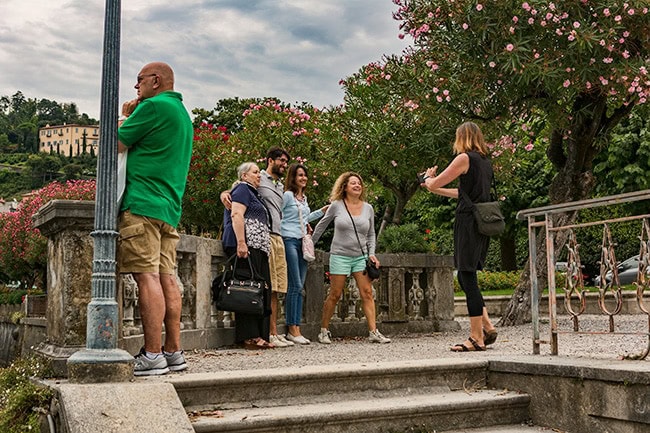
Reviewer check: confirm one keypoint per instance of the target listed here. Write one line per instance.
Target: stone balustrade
(414, 293)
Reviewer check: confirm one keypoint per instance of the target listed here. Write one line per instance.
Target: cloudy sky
(296, 50)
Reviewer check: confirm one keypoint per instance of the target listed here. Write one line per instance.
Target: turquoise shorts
(343, 265)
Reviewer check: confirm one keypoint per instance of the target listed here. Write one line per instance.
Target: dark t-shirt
(256, 221)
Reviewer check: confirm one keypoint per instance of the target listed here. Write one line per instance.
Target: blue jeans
(296, 274)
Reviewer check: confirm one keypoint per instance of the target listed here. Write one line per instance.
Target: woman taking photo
(246, 233)
(474, 169)
(295, 224)
(354, 224)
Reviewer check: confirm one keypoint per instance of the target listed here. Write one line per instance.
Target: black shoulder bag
(488, 215)
(371, 270)
(230, 293)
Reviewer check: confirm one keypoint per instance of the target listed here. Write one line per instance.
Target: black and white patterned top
(256, 220)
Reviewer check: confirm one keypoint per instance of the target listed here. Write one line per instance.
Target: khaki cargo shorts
(278, 265)
(146, 245)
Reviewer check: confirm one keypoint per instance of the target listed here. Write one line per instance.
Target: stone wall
(414, 293)
(9, 334)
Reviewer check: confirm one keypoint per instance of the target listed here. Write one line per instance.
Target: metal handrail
(547, 224)
(584, 204)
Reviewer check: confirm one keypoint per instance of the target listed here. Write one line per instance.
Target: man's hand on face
(129, 106)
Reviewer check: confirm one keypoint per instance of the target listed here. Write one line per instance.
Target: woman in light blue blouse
(295, 223)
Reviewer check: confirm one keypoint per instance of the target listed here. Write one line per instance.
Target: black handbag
(371, 269)
(488, 216)
(239, 295)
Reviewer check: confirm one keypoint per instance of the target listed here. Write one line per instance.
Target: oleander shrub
(407, 238)
(23, 252)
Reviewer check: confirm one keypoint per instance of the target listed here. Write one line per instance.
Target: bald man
(157, 131)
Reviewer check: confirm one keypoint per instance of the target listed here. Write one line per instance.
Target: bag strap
(493, 193)
(363, 253)
(302, 226)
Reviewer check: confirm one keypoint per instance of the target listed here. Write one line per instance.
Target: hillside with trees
(22, 166)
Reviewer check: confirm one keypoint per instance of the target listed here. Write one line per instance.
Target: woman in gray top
(350, 212)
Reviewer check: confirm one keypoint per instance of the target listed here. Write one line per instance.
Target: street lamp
(102, 361)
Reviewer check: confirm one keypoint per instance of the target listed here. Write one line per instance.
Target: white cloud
(296, 50)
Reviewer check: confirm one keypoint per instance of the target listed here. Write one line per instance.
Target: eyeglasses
(142, 77)
(282, 160)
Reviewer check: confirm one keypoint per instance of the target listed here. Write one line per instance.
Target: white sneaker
(324, 337)
(284, 340)
(377, 337)
(298, 339)
(275, 340)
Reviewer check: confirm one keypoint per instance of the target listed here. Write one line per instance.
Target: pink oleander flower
(566, 83)
(510, 47)
(479, 7)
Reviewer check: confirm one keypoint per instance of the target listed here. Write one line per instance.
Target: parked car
(587, 274)
(627, 272)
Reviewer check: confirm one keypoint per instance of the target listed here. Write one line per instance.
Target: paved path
(512, 341)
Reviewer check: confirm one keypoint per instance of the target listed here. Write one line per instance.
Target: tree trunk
(508, 253)
(572, 152)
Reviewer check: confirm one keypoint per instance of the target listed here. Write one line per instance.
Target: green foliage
(387, 135)
(303, 131)
(20, 118)
(623, 166)
(495, 281)
(227, 113)
(21, 401)
(407, 238)
(498, 280)
(625, 236)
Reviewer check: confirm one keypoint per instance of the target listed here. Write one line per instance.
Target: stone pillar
(67, 225)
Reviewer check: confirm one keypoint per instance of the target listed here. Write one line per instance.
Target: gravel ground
(516, 340)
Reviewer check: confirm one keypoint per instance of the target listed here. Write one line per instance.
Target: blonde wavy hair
(469, 137)
(338, 190)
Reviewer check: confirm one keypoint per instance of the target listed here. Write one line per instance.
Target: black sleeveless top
(470, 247)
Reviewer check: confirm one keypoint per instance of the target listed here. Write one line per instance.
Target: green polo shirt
(159, 136)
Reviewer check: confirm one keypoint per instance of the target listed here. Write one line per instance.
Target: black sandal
(490, 337)
(462, 348)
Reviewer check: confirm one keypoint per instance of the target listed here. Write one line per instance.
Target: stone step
(436, 412)
(285, 386)
(512, 428)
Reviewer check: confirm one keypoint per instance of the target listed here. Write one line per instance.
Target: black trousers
(469, 283)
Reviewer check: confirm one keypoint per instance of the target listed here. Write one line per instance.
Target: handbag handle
(355, 231)
(254, 275)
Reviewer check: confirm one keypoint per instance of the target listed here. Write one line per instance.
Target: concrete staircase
(422, 396)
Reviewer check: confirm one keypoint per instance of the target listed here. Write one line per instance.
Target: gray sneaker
(145, 366)
(325, 337)
(377, 337)
(175, 361)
